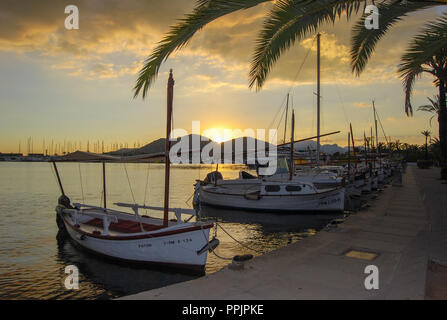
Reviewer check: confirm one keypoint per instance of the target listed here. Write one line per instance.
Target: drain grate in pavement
(363, 255)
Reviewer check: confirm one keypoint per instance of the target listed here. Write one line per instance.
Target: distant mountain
(312, 145)
(247, 144)
(159, 146)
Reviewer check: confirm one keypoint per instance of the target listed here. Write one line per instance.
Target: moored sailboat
(134, 237)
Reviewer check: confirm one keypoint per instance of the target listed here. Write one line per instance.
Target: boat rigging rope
(128, 181)
(292, 85)
(342, 104)
(190, 197)
(380, 122)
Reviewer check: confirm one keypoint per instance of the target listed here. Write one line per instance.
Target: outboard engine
(63, 202)
(212, 177)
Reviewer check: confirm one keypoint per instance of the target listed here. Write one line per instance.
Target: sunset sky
(76, 85)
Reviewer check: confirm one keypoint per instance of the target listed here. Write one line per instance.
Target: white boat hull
(353, 190)
(332, 200)
(367, 187)
(178, 249)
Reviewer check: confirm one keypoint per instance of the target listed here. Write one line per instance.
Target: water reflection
(258, 232)
(33, 260)
(270, 222)
(110, 278)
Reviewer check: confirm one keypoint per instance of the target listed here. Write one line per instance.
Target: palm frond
(290, 21)
(433, 107)
(427, 46)
(364, 41)
(179, 35)
(409, 78)
(424, 54)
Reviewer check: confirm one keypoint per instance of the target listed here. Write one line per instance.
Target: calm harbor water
(33, 258)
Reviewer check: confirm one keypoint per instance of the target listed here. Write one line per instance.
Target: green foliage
(287, 22)
(179, 35)
(291, 21)
(364, 41)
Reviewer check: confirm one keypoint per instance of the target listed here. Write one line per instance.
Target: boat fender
(210, 246)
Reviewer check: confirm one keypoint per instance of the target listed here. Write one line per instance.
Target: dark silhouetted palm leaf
(364, 41)
(287, 22)
(291, 21)
(179, 35)
(427, 54)
(432, 108)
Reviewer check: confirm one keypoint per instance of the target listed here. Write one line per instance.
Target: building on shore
(11, 156)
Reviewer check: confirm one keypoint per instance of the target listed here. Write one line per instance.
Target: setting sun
(219, 134)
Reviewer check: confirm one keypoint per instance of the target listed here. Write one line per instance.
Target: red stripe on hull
(136, 237)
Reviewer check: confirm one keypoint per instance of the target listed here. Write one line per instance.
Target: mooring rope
(240, 243)
(212, 249)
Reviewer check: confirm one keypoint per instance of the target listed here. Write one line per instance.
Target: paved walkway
(396, 227)
(434, 195)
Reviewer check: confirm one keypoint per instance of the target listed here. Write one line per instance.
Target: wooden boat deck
(124, 226)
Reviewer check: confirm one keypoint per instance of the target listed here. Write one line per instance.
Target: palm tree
(427, 134)
(420, 58)
(287, 22)
(433, 107)
(397, 145)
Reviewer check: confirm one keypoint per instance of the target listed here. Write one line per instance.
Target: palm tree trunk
(442, 119)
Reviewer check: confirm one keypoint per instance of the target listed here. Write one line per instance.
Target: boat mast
(349, 154)
(285, 123)
(377, 136)
(371, 149)
(292, 142)
(353, 148)
(170, 94)
(58, 178)
(318, 99)
(365, 148)
(104, 184)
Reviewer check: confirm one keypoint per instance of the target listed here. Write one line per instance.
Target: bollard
(239, 261)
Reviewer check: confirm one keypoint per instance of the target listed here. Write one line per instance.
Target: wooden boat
(133, 237)
(286, 191)
(271, 196)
